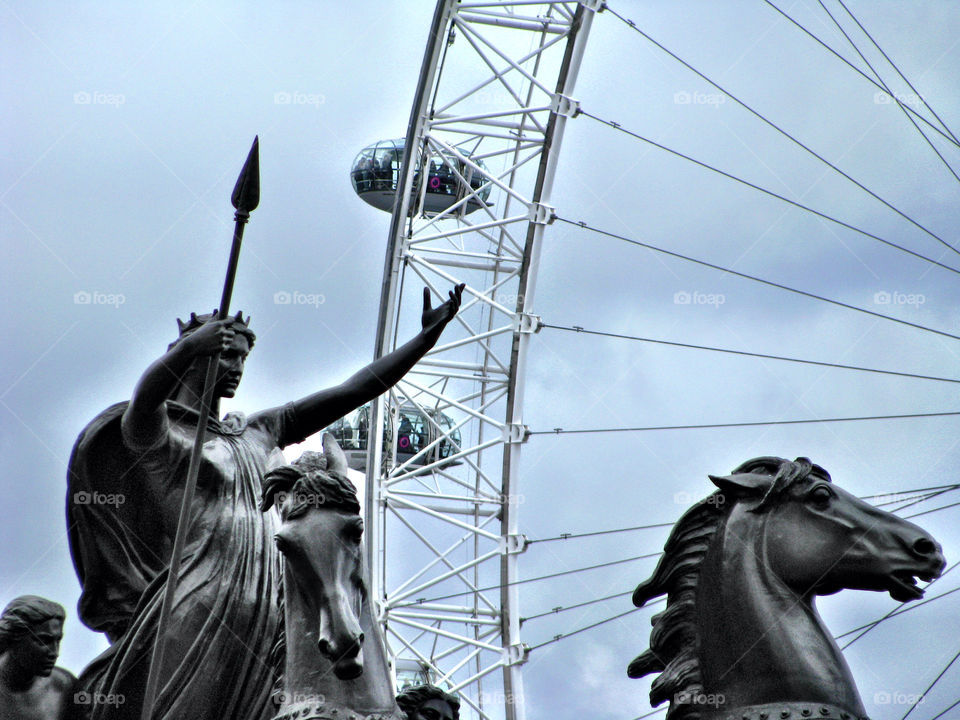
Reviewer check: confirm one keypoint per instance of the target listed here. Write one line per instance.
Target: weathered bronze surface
(741, 637)
(331, 653)
(125, 483)
(31, 686)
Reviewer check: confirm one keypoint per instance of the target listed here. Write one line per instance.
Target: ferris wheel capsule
(424, 436)
(376, 172)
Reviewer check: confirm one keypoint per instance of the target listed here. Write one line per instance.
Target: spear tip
(246, 193)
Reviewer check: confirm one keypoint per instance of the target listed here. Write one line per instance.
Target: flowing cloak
(122, 509)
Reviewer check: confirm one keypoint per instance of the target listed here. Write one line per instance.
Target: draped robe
(122, 507)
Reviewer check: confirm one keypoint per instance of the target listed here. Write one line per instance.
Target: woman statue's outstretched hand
(435, 319)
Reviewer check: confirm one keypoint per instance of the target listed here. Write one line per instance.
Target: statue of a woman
(126, 480)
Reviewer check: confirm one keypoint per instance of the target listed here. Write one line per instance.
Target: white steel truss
(493, 97)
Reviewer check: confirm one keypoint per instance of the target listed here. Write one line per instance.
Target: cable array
(949, 138)
(631, 24)
(579, 329)
(617, 126)
(890, 92)
(754, 278)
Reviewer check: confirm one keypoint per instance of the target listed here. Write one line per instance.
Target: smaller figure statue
(428, 702)
(31, 686)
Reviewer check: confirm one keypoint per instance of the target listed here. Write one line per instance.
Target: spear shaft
(246, 197)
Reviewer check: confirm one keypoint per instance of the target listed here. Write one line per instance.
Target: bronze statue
(31, 686)
(125, 483)
(331, 655)
(740, 636)
(428, 702)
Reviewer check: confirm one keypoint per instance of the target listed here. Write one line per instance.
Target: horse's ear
(743, 483)
(336, 460)
(278, 480)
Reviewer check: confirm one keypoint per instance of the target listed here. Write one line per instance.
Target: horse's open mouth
(903, 585)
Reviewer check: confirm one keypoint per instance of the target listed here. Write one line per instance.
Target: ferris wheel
(469, 189)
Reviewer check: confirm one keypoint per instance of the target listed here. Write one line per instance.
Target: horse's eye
(283, 545)
(821, 496)
(297, 509)
(355, 532)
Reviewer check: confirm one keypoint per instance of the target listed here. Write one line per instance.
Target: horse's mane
(673, 640)
(308, 481)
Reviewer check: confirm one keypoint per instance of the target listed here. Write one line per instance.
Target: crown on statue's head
(195, 322)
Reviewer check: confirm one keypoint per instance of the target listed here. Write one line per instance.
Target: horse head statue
(741, 635)
(332, 651)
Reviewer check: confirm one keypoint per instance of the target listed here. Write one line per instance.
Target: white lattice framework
(444, 539)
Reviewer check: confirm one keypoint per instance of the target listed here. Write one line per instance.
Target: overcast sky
(124, 132)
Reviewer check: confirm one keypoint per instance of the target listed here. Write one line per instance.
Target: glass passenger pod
(409, 672)
(376, 172)
(412, 428)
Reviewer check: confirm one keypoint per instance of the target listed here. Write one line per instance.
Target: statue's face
(38, 650)
(231, 366)
(435, 709)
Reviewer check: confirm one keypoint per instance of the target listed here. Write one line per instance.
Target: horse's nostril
(924, 546)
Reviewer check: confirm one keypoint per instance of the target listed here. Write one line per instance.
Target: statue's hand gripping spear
(245, 198)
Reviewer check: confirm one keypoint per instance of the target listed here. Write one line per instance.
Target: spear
(245, 198)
